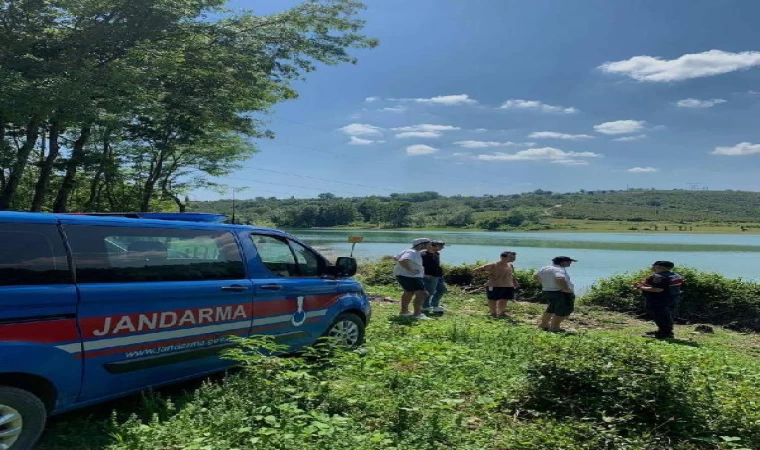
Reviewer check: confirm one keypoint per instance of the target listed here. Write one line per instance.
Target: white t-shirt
(548, 276)
(415, 257)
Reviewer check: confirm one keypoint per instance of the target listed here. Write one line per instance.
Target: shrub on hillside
(707, 298)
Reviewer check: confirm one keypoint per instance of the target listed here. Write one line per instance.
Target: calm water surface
(598, 254)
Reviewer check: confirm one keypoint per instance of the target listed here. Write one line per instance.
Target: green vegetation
(465, 382)
(120, 105)
(708, 298)
(631, 210)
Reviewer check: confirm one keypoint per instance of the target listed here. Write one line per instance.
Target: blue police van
(94, 307)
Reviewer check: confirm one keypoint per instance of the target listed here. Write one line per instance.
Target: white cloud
(537, 154)
(459, 99)
(638, 137)
(490, 144)
(423, 130)
(744, 148)
(361, 129)
(694, 65)
(419, 149)
(753, 92)
(394, 109)
(372, 99)
(361, 141)
(480, 130)
(555, 135)
(620, 127)
(642, 170)
(427, 127)
(570, 162)
(695, 103)
(538, 106)
(419, 134)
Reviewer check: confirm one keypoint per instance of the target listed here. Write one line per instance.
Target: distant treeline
(534, 210)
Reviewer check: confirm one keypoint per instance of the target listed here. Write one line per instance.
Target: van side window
(309, 263)
(285, 257)
(32, 254)
(125, 254)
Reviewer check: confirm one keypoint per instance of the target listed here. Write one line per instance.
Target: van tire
(348, 329)
(32, 411)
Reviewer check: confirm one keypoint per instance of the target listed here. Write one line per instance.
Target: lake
(599, 254)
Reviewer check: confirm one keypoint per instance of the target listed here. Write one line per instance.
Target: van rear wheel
(22, 419)
(347, 330)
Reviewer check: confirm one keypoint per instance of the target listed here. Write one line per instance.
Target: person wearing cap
(409, 273)
(501, 284)
(662, 291)
(434, 284)
(558, 290)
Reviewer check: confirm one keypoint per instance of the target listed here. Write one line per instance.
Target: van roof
(173, 220)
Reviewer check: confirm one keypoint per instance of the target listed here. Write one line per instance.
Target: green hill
(534, 210)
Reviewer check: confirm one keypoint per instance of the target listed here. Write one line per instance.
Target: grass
(460, 381)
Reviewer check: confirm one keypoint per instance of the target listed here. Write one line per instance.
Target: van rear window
(125, 254)
(32, 254)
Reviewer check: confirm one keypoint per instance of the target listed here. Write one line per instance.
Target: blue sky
(500, 96)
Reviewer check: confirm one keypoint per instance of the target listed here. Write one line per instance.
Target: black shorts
(560, 304)
(410, 284)
(500, 293)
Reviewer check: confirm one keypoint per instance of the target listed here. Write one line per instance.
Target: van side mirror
(346, 267)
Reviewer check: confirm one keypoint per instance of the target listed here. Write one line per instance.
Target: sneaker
(427, 309)
(658, 336)
(405, 314)
(421, 317)
(650, 333)
(439, 309)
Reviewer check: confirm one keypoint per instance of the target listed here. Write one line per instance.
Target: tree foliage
(116, 104)
(534, 210)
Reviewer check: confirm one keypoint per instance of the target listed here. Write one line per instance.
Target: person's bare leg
(492, 308)
(419, 299)
(545, 320)
(501, 307)
(554, 325)
(406, 298)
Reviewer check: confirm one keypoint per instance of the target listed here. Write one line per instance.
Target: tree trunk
(22, 158)
(95, 188)
(2, 152)
(150, 183)
(69, 180)
(46, 170)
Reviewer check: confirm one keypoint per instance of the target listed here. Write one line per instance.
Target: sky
(505, 96)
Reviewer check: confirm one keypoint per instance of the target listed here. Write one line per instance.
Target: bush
(603, 380)
(380, 273)
(634, 387)
(707, 298)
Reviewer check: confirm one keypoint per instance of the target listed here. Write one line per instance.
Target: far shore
(586, 227)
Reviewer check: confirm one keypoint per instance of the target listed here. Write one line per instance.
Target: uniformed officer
(662, 291)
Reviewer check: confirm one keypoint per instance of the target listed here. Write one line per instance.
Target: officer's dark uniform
(660, 304)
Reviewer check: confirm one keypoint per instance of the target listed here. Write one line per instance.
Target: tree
(147, 99)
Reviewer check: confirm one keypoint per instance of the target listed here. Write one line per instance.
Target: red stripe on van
(43, 332)
(290, 305)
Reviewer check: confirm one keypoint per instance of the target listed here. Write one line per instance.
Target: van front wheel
(22, 419)
(347, 330)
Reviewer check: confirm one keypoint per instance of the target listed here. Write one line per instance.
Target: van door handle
(234, 288)
(271, 287)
